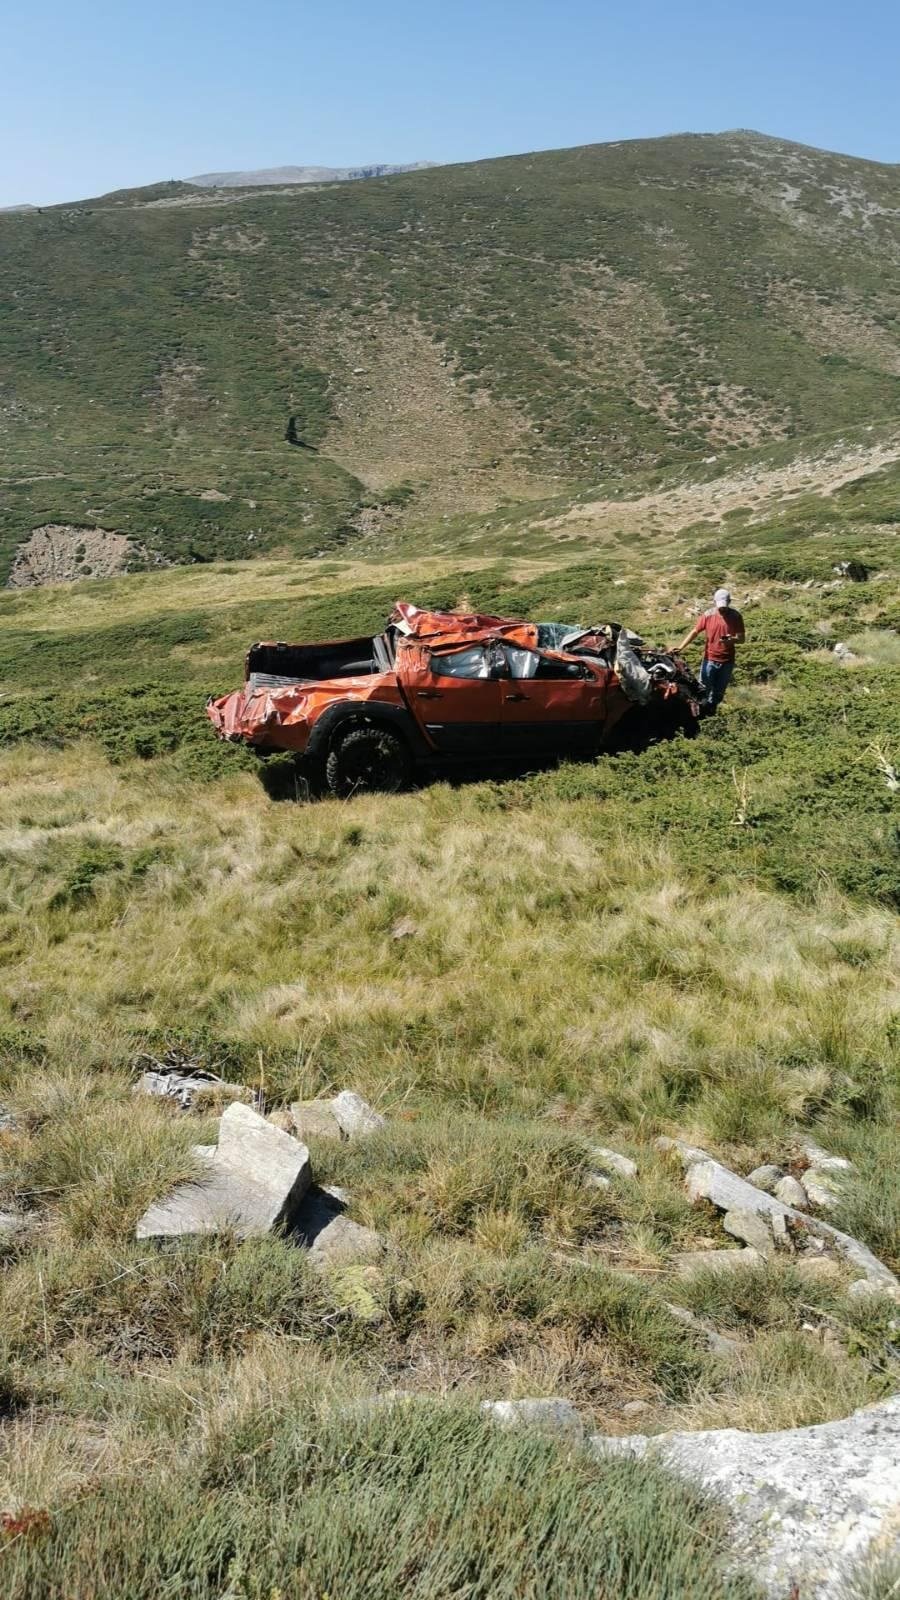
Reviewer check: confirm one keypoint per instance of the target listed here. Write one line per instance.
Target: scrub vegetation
(514, 968)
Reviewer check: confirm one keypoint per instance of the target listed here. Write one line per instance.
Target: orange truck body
(453, 686)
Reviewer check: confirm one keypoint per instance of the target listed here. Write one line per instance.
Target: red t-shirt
(717, 625)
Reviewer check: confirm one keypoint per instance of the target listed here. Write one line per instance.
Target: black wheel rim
(372, 765)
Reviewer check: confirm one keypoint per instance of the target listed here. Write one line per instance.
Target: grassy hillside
(584, 385)
(444, 340)
(701, 940)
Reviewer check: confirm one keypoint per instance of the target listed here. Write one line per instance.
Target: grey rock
(555, 1413)
(819, 1158)
(807, 1504)
(865, 1289)
(690, 1262)
(707, 1179)
(253, 1183)
(612, 1161)
(780, 1234)
(843, 653)
(341, 1241)
(765, 1178)
(635, 1408)
(686, 1152)
(792, 1192)
(820, 1188)
(314, 1119)
(751, 1228)
(354, 1116)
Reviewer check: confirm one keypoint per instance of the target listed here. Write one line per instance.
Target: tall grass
(427, 1503)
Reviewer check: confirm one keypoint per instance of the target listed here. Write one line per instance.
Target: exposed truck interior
(274, 666)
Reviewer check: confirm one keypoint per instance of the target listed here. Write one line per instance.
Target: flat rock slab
(254, 1182)
(807, 1503)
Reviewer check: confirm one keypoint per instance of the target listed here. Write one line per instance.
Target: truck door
(549, 706)
(456, 697)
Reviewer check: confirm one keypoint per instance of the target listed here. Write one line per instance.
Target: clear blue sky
(100, 94)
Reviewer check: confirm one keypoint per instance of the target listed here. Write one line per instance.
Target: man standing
(723, 628)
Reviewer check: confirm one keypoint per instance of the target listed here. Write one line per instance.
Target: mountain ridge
(226, 372)
(263, 176)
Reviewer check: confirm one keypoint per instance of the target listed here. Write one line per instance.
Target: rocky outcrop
(806, 1504)
(707, 1179)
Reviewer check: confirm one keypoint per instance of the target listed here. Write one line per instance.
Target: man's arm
(699, 627)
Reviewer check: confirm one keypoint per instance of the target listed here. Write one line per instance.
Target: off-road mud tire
(367, 759)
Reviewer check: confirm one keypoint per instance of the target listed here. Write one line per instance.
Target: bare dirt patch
(58, 552)
(747, 488)
(401, 414)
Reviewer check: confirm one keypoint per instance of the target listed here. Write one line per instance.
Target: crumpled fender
(251, 714)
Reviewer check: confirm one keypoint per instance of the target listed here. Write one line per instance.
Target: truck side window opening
(528, 664)
(471, 663)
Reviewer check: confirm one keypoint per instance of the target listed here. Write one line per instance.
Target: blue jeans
(715, 677)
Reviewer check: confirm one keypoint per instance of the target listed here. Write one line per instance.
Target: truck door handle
(429, 694)
(516, 697)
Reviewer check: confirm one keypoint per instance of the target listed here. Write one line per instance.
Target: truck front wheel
(365, 760)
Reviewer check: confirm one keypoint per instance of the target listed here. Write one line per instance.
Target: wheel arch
(338, 720)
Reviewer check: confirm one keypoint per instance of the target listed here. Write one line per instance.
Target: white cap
(722, 597)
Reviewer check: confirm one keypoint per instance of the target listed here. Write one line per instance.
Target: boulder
(253, 1182)
(354, 1116)
(612, 1161)
(555, 1413)
(791, 1192)
(314, 1119)
(750, 1228)
(765, 1178)
(807, 1504)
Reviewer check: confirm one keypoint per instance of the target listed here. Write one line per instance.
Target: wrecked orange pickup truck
(437, 687)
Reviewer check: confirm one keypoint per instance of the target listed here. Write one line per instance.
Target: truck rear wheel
(367, 759)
